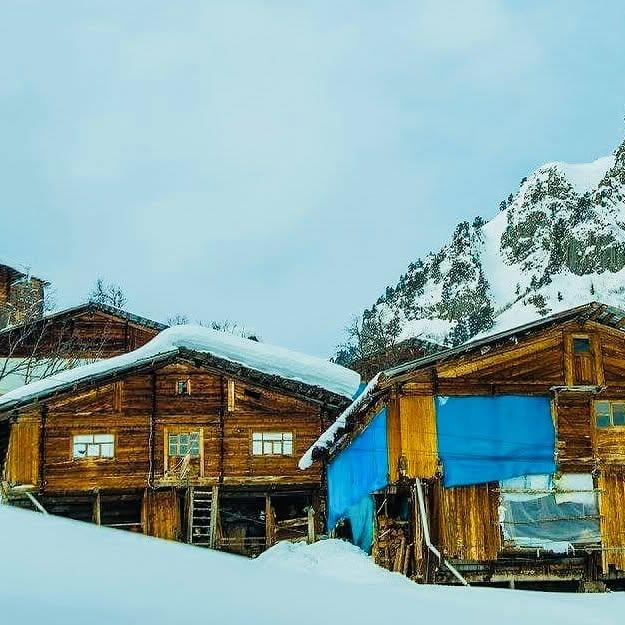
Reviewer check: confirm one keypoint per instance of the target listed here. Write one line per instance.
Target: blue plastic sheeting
(355, 473)
(487, 439)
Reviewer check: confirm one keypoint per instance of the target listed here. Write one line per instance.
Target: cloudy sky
(278, 162)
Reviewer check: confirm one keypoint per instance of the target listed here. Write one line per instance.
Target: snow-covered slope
(262, 357)
(60, 572)
(558, 242)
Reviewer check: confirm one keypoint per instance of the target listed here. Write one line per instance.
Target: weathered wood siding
(465, 520)
(468, 522)
(574, 432)
(161, 514)
(91, 334)
(412, 437)
(612, 509)
(22, 461)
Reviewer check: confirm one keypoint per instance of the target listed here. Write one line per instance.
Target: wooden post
(312, 537)
(97, 510)
(269, 524)
(190, 515)
(212, 531)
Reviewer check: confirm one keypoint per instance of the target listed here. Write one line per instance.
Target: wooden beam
(97, 509)
(269, 522)
(212, 531)
(312, 535)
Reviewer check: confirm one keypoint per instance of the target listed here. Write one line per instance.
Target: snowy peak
(557, 242)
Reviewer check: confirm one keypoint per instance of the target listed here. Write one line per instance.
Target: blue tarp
(355, 473)
(486, 439)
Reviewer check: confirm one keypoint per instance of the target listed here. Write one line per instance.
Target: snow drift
(62, 572)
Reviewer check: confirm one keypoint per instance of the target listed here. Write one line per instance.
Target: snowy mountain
(558, 242)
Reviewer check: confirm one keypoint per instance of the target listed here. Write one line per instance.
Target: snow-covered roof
(328, 441)
(261, 357)
(328, 438)
(90, 307)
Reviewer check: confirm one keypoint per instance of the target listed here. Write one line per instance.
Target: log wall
(143, 408)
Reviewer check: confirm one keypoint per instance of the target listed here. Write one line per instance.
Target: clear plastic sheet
(550, 513)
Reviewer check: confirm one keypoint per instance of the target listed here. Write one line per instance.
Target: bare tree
(108, 293)
(177, 320)
(226, 325)
(369, 335)
(40, 346)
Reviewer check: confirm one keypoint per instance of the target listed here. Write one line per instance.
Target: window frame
(609, 414)
(187, 383)
(178, 443)
(577, 338)
(262, 437)
(100, 444)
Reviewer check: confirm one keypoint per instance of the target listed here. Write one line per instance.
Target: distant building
(21, 294)
(46, 344)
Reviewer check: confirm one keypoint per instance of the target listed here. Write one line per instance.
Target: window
(272, 443)
(93, 446)
(581, 344)
(609, 413)
(183, 387)
(184, 443)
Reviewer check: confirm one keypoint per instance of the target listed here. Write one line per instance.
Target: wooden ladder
(202, 519)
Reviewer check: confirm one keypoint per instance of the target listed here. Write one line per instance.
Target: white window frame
(100, 446)
(272, 443)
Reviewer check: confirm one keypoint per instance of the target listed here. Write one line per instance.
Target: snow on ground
(263, 357)
(55, 571)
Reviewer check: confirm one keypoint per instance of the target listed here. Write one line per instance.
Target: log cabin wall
(98, 412)
(142, 409)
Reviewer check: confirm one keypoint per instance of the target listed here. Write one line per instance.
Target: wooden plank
(468, 522)
(212, 533)
(612, 511)
(419, 445)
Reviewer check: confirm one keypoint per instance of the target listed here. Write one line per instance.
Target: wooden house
(44, 344)
(194, 437)
(21, 294)
(501, 461)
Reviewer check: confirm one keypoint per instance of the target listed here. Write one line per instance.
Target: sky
(278, 163)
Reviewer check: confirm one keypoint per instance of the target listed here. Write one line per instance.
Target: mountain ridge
(557, 242)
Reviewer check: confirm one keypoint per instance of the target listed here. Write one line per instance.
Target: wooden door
(583, 360)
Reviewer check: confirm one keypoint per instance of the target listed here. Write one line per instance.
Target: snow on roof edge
(327, 439)
(267, 359)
